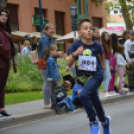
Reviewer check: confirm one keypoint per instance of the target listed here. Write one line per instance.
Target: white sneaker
(107, 94)
(2, 117)
(5, 115)
(115, 93)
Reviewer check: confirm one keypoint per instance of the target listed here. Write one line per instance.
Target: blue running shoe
(94, 127)
(106, 126)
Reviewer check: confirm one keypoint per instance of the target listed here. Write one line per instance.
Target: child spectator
(96, 34)
(26, 46)
(34, 43)
(121, 66)
(90, 75)
(114, 39)
(107, 47)
(62, 96)
(124, 83)
(52, 72)
(76, 95)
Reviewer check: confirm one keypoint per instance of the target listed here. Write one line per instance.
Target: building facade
(115, 19)
(56, 11)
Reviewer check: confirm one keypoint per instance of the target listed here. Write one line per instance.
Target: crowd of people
(94, 59)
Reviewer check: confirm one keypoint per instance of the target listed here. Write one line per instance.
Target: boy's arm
(71, 59)
(102, 57)
(78, 92)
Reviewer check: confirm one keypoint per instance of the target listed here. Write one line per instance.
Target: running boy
(89, 73)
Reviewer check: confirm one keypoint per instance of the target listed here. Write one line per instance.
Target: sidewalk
(31, 111)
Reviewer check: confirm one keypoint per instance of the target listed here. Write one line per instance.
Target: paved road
(122, 114)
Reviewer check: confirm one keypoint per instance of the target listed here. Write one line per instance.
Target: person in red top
(107, 47)
(7, 51)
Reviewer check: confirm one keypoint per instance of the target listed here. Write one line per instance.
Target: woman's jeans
(107, 76)
(46, 88)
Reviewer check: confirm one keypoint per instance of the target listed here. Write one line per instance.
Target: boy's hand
(57, 81)
(111, 68)
(60, 54)
(68, 69)
(78, 51)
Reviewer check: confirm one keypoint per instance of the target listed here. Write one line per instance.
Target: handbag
(34, 56)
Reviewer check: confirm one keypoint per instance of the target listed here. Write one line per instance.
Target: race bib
(87, 63)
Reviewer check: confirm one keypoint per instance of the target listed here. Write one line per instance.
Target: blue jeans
(46, 87)
(107, 76)
(67, 102)
(90, 99)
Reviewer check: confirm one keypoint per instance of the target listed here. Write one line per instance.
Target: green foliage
(27, 78)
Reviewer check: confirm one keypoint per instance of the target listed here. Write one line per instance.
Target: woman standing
(44, 42)
(106, 44)
(7, 52)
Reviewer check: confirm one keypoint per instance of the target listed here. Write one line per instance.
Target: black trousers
(77, 102)
(4, 71)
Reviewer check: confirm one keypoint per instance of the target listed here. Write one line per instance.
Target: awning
(71, 34)
(68, 36)
(18, 35)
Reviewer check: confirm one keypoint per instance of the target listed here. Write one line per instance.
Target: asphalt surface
(122, 114)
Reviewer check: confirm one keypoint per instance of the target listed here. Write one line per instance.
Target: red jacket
(6, 46)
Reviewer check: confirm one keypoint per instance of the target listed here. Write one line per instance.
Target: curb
(50, 113)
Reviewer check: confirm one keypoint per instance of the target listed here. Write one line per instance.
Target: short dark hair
(124, 33)
(82, 21)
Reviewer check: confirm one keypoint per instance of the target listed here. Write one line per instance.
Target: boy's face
(132, 36)
(68, 89)
(86, 30)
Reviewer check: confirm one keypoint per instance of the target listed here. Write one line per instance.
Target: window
(13, 9)
(115, 12)
(44, 12)
(97, 22)
(59, 19)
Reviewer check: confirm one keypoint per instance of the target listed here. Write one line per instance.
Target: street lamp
(3, 3)
(73, 11)
(41, 17)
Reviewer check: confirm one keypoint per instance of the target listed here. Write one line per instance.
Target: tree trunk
(126, 15)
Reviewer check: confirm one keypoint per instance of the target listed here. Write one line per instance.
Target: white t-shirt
(120, 61)
(128, 45)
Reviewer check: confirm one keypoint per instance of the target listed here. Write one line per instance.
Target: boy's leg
(88, 90)
(98, 107)
(70, 103)
(65, 103)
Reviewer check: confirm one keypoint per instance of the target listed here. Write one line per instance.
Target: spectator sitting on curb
(76, 95)
(62, 98)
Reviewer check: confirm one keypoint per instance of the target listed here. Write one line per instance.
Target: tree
(127, 9)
